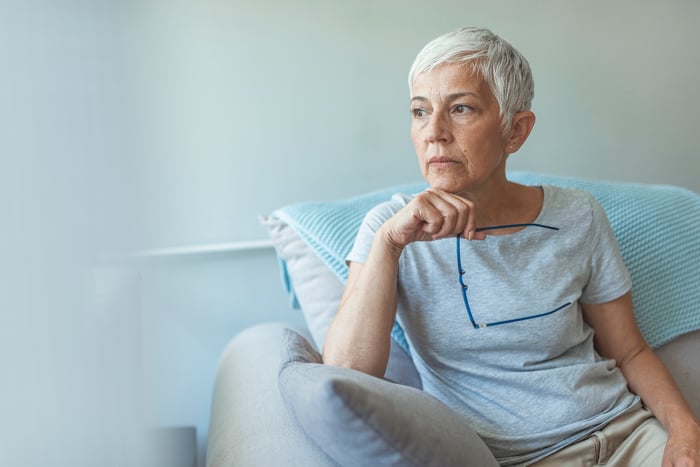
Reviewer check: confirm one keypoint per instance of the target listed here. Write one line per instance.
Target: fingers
(432, 215)
(479, 236)
(444, 215)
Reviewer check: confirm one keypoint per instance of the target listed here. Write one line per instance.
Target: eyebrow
(450, 97)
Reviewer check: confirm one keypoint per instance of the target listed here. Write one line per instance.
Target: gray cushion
(358, 419)
(249, 425)
(680, 357)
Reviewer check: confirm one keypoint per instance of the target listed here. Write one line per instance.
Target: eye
(418, 112)
(461, 109)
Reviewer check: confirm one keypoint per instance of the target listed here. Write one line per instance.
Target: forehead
(450, 78)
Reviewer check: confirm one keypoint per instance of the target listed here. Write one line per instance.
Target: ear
(520, 129)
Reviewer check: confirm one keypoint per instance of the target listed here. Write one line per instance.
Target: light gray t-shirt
(527, 387)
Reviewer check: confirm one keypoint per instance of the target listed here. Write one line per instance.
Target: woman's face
(456, 129)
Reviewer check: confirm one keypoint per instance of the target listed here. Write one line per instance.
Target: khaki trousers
(635, 439)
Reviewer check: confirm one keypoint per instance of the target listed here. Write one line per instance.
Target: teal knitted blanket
(656, 227)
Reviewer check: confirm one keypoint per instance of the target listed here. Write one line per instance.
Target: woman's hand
(683, 448)
(432, 215)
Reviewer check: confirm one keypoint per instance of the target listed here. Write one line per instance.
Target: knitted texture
(655, 226)
(329, 228)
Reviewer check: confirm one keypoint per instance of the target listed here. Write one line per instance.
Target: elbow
(354, 361)
(633, 354)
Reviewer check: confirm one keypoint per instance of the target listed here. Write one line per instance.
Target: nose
(437, 129)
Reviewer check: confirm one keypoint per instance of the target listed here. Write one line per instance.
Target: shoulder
(572, 205)
(397, 201)
(568, 197)
(384, 210)
(574, 210)
(373, 220)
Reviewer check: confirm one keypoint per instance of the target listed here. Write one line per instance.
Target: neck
(503, 202)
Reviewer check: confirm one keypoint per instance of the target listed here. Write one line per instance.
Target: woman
(514, 298)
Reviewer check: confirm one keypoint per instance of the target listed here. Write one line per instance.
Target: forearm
(359, 336)
(647, 376)
(619, 338)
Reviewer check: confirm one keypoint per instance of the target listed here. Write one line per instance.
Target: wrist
(386, 241)
(683, 425)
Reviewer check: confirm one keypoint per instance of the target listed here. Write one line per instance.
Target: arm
(359, 336)
(618, 337)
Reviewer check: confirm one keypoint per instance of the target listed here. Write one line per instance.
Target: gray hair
(504, 69)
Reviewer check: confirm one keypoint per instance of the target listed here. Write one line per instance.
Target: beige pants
(635, 439)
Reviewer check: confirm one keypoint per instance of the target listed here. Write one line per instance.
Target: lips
(440, 162)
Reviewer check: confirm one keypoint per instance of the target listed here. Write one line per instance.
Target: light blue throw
(656, 227)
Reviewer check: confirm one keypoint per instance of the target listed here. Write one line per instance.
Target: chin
(450, 186)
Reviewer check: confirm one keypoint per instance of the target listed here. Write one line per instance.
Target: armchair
(251, 424)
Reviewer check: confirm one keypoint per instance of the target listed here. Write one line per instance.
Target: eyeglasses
(465, 287)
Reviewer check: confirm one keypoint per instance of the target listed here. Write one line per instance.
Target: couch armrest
(249, 423)
(681, 358)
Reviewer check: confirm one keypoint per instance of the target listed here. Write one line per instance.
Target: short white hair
(504, 69)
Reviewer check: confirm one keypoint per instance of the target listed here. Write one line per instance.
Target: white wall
(69, 319)
(247, 106)
(244, 106)
(157, 123)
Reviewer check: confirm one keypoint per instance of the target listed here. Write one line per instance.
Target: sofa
(275, 404)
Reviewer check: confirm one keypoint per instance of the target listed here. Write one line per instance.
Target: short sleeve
(373, 220)
(609, 278)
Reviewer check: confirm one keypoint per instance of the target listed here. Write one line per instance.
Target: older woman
(514, 299)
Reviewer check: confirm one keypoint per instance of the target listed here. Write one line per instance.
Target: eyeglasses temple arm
(464, 286)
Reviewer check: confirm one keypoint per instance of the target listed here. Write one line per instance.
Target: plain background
(136, 125)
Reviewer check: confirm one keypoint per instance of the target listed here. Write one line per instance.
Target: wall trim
(206, 249)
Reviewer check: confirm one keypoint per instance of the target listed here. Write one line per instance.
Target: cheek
(416, 140)
(414, 133)
(480, 142)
